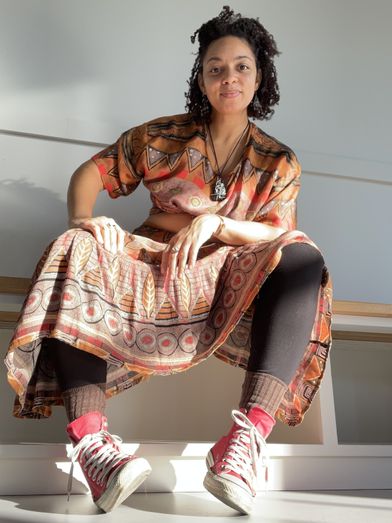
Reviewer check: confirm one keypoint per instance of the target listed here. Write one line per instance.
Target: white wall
(75, 74)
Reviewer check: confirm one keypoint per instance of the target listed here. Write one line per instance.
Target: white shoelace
(100, 454)
(245, 448)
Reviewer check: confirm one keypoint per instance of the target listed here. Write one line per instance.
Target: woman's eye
(243, 67)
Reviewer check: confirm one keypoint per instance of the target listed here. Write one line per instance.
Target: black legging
(282, 323)
(285, 309)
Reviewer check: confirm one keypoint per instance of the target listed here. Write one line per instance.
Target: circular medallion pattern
(237, 280)
(195, 201)
(188, 341)
(167, 343)
(219, 318)
(129, 335)
(207, 336)
(247, 262)
(229, 298)
(33, 301)
(51, 299)
(113, 322)
(70, 298)
(92, 311)
(146, 341)
(240, 336)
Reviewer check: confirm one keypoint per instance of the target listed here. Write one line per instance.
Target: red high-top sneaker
(111, 474)
(233, 463)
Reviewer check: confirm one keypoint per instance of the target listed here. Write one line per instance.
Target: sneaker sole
(123, 484)
(228, 493)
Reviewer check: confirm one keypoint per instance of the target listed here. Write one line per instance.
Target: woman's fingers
(186, 243)
(96, 230)
(106, 232)
(120, 239)
(173, 257)
(184, 257)
(174, 262)
(169, 259)
(192, 256)
(164, 258)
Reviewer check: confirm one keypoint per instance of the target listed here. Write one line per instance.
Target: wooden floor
(271, 507)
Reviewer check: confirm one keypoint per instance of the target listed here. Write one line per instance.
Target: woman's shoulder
(265, 144)
(169, 124)
(178, 127)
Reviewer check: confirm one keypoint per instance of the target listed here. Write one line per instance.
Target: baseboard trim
(42, 469)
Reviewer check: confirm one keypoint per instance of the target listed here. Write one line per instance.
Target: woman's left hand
(183, 248)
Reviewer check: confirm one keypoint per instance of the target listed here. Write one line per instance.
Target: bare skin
(229, 78)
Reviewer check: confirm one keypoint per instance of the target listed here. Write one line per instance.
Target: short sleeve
(121, 164)
(280, 208)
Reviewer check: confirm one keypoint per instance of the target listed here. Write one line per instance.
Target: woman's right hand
(105, 230)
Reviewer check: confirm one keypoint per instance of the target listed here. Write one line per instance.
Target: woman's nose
(229, 76)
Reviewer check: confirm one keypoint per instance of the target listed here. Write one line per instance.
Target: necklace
(219, 193)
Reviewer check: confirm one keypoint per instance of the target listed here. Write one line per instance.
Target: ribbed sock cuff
(262, 390)
(81, 400)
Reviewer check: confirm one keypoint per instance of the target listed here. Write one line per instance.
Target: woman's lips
(230, 94)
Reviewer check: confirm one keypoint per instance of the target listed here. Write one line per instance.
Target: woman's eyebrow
(220, 59)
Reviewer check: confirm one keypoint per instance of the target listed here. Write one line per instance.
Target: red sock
(263, 421)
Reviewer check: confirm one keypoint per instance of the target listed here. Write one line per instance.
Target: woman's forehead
(231, 47)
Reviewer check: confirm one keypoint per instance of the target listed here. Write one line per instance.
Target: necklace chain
(220, 188)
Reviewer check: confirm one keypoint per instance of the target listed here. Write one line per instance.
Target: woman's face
(229, 76)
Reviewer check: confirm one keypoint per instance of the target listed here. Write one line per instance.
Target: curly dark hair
(264, 48)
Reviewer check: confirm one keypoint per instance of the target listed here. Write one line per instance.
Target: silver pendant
(219, 190)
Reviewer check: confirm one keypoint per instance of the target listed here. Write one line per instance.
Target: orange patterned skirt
(120, 308)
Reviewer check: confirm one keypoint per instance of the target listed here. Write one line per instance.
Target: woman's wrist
(75, 222)
(221, 226)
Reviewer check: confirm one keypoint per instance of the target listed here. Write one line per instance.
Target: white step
(180, 467)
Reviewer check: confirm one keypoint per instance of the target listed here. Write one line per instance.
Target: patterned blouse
(169, 155)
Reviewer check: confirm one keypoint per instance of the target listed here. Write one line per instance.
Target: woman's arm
(233, 232)
(237, 232)
(83, 190)
(183, 247)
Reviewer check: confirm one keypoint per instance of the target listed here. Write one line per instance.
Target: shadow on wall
(30, 217)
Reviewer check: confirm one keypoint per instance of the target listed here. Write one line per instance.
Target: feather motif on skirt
(149, 295)
(185, 290)
(81, 255)
(114, 273)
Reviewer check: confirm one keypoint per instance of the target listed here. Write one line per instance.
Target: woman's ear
(258, 79)
(200, 82)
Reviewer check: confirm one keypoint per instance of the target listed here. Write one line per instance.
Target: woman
(218, 267)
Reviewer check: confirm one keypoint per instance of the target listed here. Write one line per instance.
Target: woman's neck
(225, 128)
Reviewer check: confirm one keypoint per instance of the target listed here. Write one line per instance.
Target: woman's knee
(299, 258)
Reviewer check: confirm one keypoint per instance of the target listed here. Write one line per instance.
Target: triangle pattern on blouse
(208, 171)
(247, 170)
(154, 156)
(194, 157)
(173, 159)
(111, 152)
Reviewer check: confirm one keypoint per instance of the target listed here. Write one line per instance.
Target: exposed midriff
(172, 222)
